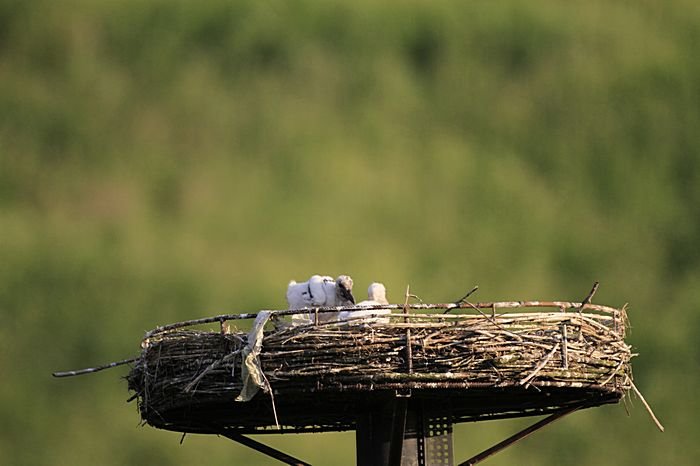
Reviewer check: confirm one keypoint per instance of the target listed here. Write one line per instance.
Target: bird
(299, 294)
(305, 295)
(338, 293)
(319, 291)
(376, 296)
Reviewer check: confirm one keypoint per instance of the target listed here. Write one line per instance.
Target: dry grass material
(473, 364)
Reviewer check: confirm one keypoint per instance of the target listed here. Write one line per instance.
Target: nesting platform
(478, 362)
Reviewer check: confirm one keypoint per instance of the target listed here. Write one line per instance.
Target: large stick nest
(467, 367)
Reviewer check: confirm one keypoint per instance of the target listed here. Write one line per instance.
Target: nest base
(342, 413)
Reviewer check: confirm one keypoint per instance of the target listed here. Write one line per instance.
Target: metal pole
(398, 431)
(519, 436)
(373, 434)
(403, 432)
(264, 449)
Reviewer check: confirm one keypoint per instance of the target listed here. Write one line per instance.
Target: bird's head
(377, 292)
(343, 288)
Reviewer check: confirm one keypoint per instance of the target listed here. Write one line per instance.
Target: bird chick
(376, 296)
(338, 293)
(319, 291)
(298, 295)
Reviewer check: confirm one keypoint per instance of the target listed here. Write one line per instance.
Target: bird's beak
(346, 294)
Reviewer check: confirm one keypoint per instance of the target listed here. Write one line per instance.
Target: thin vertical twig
(564, 347)
(625, 321)
(405, 303)
(272, 399)
(409, 350)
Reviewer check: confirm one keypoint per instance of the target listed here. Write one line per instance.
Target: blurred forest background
(165, 160)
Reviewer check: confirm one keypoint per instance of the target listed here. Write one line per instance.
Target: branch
(646, 405)
(540, 365)
(462, 299)
(589, 297)
(90, 370)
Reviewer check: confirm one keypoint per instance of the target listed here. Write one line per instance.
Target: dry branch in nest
(473, 367)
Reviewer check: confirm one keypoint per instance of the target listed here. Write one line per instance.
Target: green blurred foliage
(166, 160)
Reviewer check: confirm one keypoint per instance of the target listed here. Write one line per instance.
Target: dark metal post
(373, 436)
(402, 432)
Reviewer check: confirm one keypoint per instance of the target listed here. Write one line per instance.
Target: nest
(484, 364)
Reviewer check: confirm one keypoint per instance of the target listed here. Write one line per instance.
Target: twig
(625, 321)
(272, 399)
(626, 400)
(211, 367)
(409, 350)
(409, 295)
(493, 319)
(614, 373)
(589, 297)
(646, 405)
(586, 301)
(462, 299)
(540, 365)
(90, 370)
(564, 347)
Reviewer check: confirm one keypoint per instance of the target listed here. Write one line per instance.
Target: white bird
(299, 294)
(376, 296)
(319, 291)
(338, 293)
(304, 295)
